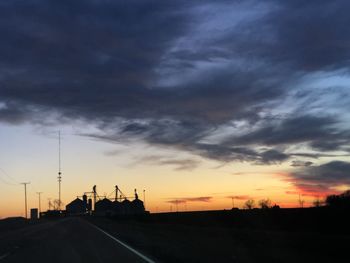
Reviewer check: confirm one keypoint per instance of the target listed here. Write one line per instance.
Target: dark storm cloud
(320, 133)
(13, 115)
(305, 35)
(87, 57)
(330, 173)
(322, 178)
(273, 156)
(172, 72)
(314, 33)
(227, 154)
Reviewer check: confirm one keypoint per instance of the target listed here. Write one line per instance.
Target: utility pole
(25, 197)
(39, 193)
(49, 203)
(233, 202)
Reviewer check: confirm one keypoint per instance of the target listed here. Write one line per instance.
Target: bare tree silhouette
(265, 203)
(56, 204)
(249, 204)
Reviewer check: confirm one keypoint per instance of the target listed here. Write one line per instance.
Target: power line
(5, 181)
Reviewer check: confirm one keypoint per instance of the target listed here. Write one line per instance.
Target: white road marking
(123, 244)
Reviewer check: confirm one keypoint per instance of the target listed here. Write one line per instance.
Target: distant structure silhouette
(103, 206)
(77, 206)
(34, 213)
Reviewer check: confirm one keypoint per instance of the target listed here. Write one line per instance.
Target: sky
(196, 102)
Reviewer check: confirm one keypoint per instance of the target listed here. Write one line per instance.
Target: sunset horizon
(197, 102)
(174, 131)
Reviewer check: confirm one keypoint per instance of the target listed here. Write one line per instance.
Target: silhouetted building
(104, 207)
(77, 206)
(125, 207)
(117, 208)
(137, 207)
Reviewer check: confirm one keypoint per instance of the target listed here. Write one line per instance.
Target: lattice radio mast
(59, 170)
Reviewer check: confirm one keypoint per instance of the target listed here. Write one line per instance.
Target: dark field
(285, 235)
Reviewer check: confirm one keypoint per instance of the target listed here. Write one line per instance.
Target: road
(65, 240)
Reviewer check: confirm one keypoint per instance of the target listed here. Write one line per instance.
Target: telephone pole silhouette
(39, 193)
(25, 197)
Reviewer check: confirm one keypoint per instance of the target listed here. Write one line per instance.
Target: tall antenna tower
(59, 170)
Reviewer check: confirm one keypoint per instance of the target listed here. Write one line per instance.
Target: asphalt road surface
(65, 240)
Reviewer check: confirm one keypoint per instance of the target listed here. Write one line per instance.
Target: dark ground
(285, 235)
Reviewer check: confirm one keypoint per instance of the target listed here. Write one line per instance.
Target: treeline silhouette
(334, 201)
(339, 201)
(263, 204)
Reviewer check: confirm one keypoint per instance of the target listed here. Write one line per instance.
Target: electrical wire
(5, 181)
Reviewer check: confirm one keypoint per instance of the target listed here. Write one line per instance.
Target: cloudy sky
(195, 101)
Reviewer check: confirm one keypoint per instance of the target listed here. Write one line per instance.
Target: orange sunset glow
(174, 131)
